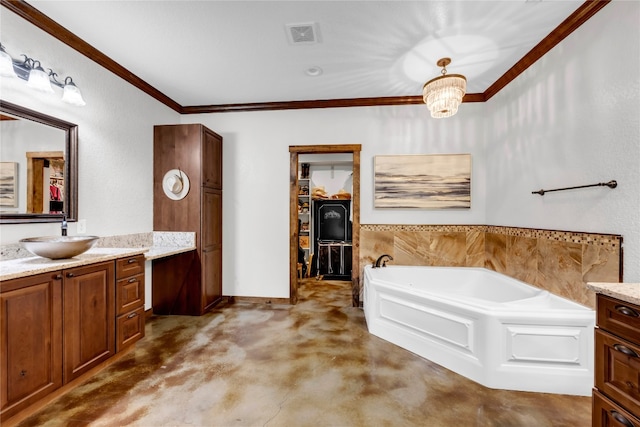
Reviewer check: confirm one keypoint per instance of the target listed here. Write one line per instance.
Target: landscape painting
(8, 184)
(439, 181)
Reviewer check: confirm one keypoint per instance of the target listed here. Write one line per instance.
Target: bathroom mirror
(38, 166)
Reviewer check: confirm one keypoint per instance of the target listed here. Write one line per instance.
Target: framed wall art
(9, 184)
(437, 181)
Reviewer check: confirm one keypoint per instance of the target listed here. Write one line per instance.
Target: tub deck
(497, 331)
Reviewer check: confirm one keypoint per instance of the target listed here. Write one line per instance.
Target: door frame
(294, 151)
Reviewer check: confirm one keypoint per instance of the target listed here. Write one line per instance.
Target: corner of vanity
(617, 354)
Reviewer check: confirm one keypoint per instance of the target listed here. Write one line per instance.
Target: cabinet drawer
(129, 294)
(129, 266)
(618, 370)
(607, 413)
(619, 317)
(129, 328)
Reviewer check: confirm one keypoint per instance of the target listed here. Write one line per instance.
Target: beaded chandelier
(444, 94)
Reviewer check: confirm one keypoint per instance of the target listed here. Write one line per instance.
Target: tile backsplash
(558, 261)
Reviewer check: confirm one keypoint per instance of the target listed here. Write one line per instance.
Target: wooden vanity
(61, 321)
(616, 395)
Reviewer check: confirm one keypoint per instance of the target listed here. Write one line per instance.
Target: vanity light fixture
(444, 94)
(37, 78)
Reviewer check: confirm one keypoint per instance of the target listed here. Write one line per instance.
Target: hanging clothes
(54, 193)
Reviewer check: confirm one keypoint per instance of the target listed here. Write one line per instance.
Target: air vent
(306, 33)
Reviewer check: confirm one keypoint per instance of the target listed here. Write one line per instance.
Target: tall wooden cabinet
(189, 284)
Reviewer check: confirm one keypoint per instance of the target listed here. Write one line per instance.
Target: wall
(256, 145)
(115, 135)
(544, 130)
(573, 118)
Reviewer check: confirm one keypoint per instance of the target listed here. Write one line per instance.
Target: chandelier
(444, 94)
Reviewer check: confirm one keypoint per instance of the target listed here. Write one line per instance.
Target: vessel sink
(58, 247)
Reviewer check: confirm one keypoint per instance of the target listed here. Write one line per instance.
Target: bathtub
(494, 330)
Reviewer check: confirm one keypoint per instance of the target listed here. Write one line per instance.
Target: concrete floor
(313, 364)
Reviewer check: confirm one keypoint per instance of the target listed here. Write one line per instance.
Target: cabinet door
(607, 413)
(89, 317)
(211, 247)
(30, 340)
(130, 328)
(618, 369)
(211, 160)
(212, 277)
(129, 294)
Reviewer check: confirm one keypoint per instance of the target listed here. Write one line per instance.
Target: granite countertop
(153, 245)
(156, 252)
(22, 267)
(628, 292)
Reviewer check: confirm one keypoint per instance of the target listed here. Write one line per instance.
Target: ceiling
(208, 53)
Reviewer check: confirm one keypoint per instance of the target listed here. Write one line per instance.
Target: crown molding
(40, 20)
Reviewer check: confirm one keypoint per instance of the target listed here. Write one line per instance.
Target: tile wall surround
(561, 262)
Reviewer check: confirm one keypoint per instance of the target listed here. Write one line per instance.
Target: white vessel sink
(59, 247)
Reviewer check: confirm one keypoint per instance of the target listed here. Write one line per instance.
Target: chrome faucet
(63, 226)
(380, 259)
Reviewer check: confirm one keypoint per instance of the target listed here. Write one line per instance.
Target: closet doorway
(294, 152)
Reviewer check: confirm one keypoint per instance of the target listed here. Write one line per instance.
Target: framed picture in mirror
(9, 184)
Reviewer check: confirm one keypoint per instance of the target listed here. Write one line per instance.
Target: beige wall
(558, 261)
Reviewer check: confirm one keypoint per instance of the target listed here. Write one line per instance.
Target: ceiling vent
(306, 33)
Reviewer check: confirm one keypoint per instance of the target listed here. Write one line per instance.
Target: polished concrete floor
(313, 364)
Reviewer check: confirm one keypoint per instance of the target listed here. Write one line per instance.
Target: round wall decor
(175, 184)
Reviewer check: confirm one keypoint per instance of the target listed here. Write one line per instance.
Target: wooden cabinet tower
(189, 283)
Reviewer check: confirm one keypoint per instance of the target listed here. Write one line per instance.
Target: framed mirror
(38, 166)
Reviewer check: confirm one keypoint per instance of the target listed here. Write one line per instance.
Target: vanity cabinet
(616, 396)
(197, 152)
(89, 313)
(56, 327)
(30, 340)
(129, 301)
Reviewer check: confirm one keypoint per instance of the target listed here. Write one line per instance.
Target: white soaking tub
(495, 330)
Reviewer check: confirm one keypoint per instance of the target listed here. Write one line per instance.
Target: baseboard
(258, 300)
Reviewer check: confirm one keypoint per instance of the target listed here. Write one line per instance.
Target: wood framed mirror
(38, 167)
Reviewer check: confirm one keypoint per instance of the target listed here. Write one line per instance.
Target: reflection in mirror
(38, 166)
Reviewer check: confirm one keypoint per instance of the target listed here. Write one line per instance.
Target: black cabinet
(334, 260)
(332, 238)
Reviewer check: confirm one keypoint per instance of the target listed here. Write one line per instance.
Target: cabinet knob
(621, 418)
(70, 275)
(627, 311)
(57, 276)
(625, 350)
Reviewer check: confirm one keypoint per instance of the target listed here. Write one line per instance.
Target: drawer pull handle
(131, 261)
(132, 280)
(132, 315)
(627, 311)
(621, 418)
(625, 350)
